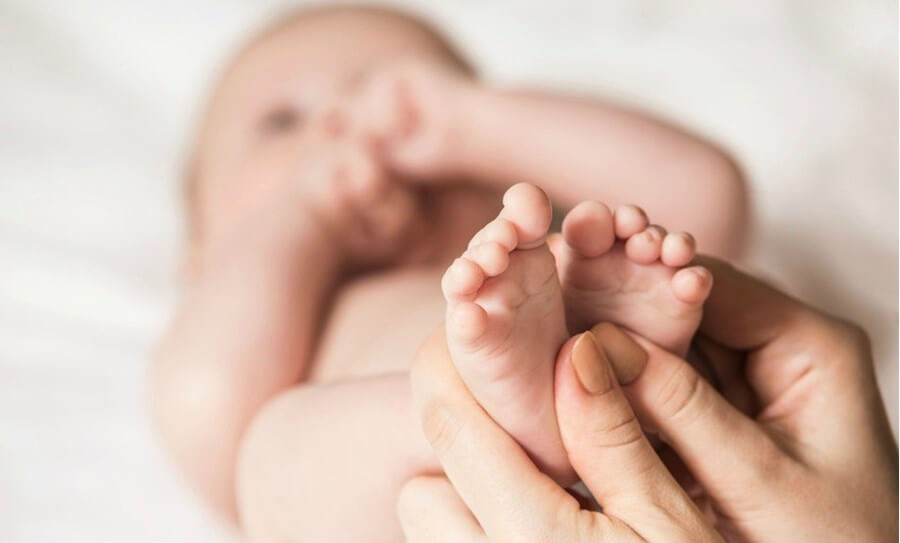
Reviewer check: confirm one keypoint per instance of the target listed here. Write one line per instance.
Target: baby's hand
(413, 113)
(340, 181)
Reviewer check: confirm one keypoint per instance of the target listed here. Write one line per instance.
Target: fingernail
(626, 357)
(590, 365)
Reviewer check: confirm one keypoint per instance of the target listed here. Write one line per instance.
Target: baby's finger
(377, 111)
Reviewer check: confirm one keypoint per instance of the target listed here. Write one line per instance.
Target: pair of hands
(815, 459)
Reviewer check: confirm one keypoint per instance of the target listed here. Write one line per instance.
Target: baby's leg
(245, 331)
(252, 318)
(218, 366)
(326, 462)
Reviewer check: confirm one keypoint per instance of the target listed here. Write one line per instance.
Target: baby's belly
(378, 322)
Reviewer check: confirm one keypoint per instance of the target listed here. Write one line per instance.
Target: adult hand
(814, 460)
(509, 498)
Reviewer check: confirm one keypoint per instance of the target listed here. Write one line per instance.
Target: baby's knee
(269, 451)
(724, 172)
(199, 417)
(188, 402)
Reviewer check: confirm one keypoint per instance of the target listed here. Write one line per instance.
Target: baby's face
(251, 141)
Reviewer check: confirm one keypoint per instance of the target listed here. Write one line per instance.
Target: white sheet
(95, 101)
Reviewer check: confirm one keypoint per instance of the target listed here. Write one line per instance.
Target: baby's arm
(325, 462)
(244, 333)
(584, 149)
(576, 149)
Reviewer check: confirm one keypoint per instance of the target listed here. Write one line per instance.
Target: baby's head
(248, 137)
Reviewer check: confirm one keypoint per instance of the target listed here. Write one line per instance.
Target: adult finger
(728, 370)
(607, 446)
(495, 478)
(430, 511)
(788, 341)
(743, 312)
(727, 452)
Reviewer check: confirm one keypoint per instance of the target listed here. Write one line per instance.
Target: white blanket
(95, 102)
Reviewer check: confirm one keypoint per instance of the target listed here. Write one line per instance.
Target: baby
(347, 159)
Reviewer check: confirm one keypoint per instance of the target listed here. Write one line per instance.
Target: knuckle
(617, 427)
(575, 524)
(767, 465)
(539, 527)
(625, 433)
(844, 343)
(682, 395)
(439, 424)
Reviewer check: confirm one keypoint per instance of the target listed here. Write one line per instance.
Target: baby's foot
(506, 323)
(618, 268)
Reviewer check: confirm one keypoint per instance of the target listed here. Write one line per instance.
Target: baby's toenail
(702, 276)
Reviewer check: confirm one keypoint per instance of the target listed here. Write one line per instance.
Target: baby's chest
(377, 323)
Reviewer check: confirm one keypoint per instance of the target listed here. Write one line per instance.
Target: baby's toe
(491, 257)
(644, 248)
(629, 220)
(462, 280)
(588, 229)
(498, 230)
(528, 209)
(692, 285)
(677, 249)
(466, 322)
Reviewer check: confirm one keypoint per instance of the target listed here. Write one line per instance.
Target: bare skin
(575, 148)
(815, 461)
(619, 267)
(322, 233)
(507, 309)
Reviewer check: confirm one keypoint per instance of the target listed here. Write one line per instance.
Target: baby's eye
(281, 120)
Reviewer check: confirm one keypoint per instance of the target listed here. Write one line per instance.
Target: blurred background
(97, 100)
